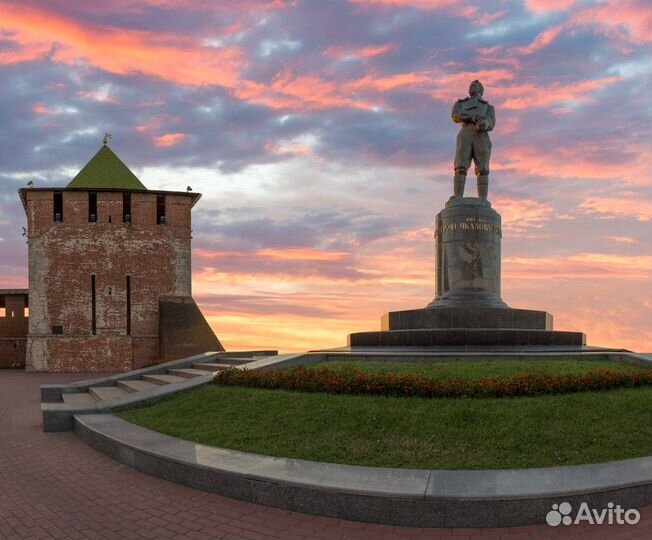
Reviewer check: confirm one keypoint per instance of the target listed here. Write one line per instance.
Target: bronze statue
(477, 117)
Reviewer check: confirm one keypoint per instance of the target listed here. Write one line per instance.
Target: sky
(319, 133)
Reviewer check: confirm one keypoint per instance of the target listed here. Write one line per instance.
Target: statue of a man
(477, 117)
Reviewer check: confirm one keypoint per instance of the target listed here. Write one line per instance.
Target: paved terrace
(53, 486)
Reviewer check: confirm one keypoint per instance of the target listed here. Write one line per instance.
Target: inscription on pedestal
(467, 239)
(470, 224)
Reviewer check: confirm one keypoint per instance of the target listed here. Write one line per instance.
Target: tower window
(160, 209)
(128, 305)
(57, 330)
(126, 207)
(58, 207)
(93, 307)
(92, 207)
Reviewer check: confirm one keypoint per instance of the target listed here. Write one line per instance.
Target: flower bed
(352, 381)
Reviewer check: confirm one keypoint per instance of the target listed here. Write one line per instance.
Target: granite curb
(402, 497)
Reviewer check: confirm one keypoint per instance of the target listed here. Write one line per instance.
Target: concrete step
(163, 379)
(107, 393)
(238, 361)
(81, 400)
(211, 366)
(136, 385)
(188, 373)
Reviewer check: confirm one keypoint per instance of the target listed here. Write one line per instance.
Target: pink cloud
(526, 96)
(338, 51)
(97, 95)
(169, 139)
(23, 52)
(519, 215)
(117, 50)
(306, 92)
(420, 4)
(613, 207)
(579, 266)
(542, 40)
(303, 254)
(40, 108)
(542, 6)
(577, 160)
(621, 20)
(481, 17)
(450, 86)
(623, 239)
(157, 122)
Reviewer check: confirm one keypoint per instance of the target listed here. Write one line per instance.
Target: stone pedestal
(467, 238)
(467, 310)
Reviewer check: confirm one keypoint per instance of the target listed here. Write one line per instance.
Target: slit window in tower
(160, 209)
(92, 207)
(58, 207)
(128, 305)
(126, 207)
(93, 307)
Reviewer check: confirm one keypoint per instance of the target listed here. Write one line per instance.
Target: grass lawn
(479, 369)
(585, 427)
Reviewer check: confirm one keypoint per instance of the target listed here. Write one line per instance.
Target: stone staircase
(123, 388)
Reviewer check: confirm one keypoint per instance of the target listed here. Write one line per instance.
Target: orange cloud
(519, 215)
(119, 51)
(619, 207)
(302, 254)
(169, 139)
(337, 51)
(580, 266)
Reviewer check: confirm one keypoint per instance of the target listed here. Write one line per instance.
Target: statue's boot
(458, 185)
(483, 187)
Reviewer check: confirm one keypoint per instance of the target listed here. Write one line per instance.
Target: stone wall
(184, 330)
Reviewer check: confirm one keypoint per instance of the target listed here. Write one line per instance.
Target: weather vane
(107, 136)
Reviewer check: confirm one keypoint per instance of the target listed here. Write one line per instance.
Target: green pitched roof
(106, 171)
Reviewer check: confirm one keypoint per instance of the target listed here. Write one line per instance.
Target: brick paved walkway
(52, 486)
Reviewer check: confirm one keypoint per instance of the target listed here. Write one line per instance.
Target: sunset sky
(319, 133)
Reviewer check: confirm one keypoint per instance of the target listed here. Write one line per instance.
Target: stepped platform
(465, 327)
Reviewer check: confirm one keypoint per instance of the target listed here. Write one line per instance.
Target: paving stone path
(52, 486)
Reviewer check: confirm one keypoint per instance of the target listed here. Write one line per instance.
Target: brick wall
(13, 329)
(64, 256)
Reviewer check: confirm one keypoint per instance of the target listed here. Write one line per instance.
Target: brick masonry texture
(13, 329)
(53, 486)
(63, 257)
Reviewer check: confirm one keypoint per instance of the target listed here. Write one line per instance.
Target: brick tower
(109, 273)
